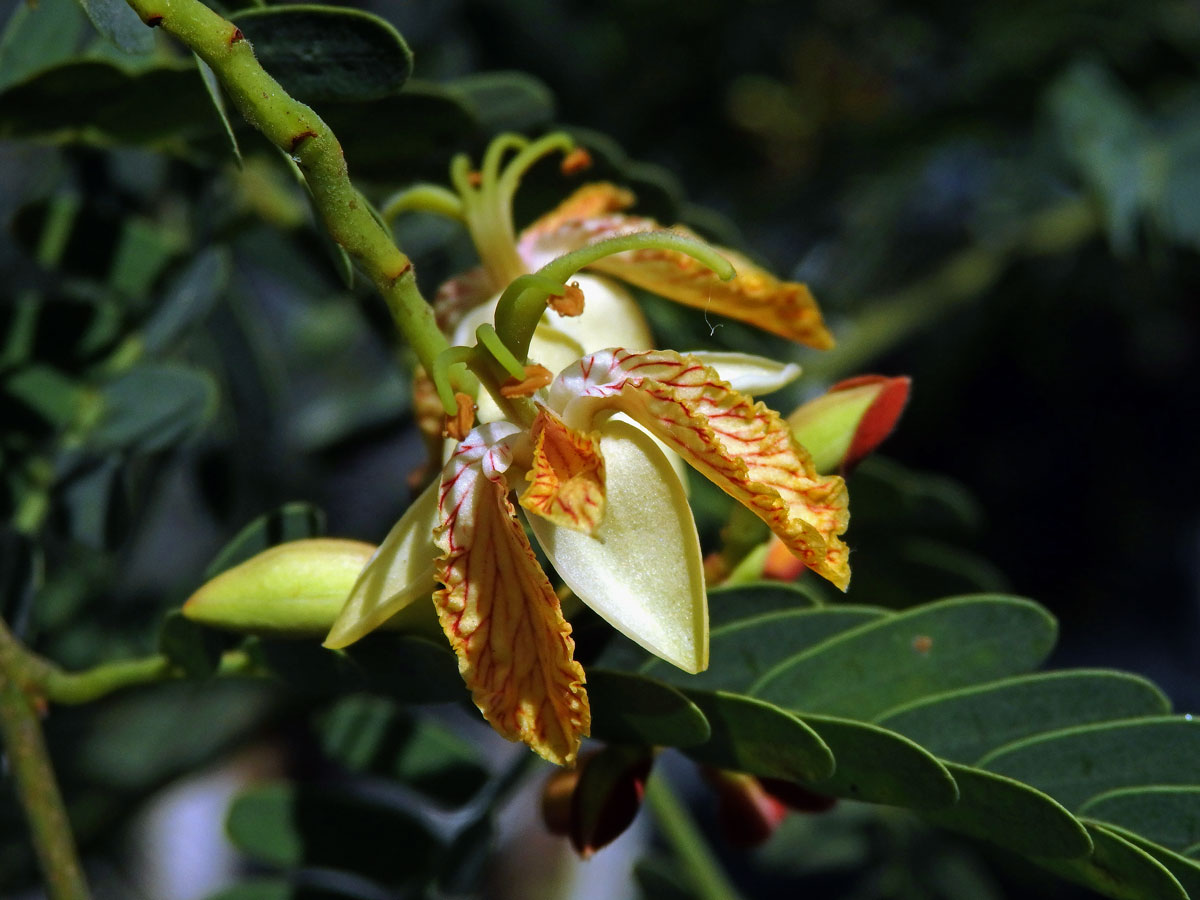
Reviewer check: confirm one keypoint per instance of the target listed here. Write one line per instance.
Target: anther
(576, 161)
(459, 425)
(568, 303)
(535, 377)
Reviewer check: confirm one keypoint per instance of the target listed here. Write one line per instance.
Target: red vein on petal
(501, 615)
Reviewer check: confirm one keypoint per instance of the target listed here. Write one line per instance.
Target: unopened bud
(746, 814)
(594, 803)
(849, 420)
(297, 588)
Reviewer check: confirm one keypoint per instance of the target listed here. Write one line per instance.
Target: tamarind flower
(611, 515)
(610, 317)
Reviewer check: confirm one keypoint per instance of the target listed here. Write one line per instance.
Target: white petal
(641, 570)
(400, 572)
(748, 374)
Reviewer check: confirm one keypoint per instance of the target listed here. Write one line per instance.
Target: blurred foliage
(1000, 199)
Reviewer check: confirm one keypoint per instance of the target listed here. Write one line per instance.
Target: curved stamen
(524, 301)
(425, 198)
(486, 335)
(460, 177)
(442, 378)
(506, 189)
(495, 153)
(520, 308)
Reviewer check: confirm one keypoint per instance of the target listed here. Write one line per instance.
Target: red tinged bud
(850, 420)
(746, 814)
(594, 803)
(749, 809)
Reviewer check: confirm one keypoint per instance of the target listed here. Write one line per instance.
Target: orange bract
(566, 482)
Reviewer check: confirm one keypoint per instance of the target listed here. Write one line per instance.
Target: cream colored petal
(741, 446)
(400, 572)
(641, 569)
(748, 374)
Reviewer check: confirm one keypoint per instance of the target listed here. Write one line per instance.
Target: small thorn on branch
(153, 21)
(236, 36)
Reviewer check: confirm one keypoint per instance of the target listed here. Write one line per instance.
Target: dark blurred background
(1000, 199)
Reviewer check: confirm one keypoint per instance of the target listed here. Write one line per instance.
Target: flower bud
(749, 809)
(849, 420)
(746, 814)
(296, 588)
(594, 803)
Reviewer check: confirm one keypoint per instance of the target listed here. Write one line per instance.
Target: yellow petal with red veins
(566, 480)
(399, 573)
(753, 295)
(499, 611)
(744, 448)
(641, 570)
(587, 202)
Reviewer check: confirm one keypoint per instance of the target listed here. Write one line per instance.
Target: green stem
(706, 877)
(29, 765)
(300, 132)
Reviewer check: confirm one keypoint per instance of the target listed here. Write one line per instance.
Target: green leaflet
(964, 724)
(1168, 815)
(637, 710)
(117, 21)
(1076, 764)
(328, 53)
(153, 406)
(727, 605)
(928, 649)
(741, 651)
(503, 101)
(35, 38)
(1118, 869)
(1011, 814)
(878, 766)
(755, 737)
(189, 299)
(1186, 871)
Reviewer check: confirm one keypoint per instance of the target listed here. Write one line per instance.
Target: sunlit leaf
(932, 648)
(741, 652)
(965, 724)
(1076, 764)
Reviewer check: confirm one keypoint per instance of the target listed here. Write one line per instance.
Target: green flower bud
(295, 589)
